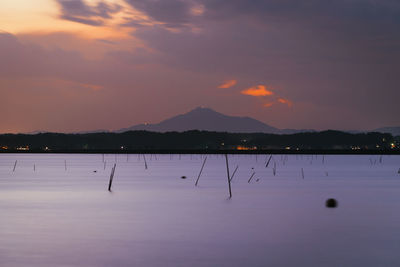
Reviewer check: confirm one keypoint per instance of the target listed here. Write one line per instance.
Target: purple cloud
(78, 11)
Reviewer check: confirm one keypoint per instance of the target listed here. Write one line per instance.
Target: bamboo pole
(111, 177)
(269, 160)
(145, 162)
(15, 165)
(229, 180)
(201, 170)
(274, 169)
(251, 177)
(233, 174)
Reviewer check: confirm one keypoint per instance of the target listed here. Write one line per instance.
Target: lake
(56, 210)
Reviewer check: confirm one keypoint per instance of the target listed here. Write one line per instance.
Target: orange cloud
(259, 90)
(285, 101)
(228, 84)
(267, 105)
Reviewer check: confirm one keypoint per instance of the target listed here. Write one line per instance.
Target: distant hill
(206, 119)
(204, 141)
(395, 131)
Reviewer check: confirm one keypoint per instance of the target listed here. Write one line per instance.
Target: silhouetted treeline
(195, 140)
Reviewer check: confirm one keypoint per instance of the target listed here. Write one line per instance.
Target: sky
(79, 65)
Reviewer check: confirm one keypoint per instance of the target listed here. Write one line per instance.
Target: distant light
(239, 147)
(122, 147)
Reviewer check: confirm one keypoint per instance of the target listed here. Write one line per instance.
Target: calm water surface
(56, 211)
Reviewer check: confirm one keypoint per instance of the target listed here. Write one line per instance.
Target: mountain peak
(202, 109)
(206, 119)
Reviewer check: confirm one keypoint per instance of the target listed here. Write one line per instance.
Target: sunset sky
(75, 65)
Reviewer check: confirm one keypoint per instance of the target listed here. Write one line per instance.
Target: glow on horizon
(42, 17)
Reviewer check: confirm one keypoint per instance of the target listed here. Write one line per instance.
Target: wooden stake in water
(274, 169)
(251, 177)
(266, 165)
(65, 165)
(34, 167)
(145, 162)
(229, 180)
(302, 173)
(111, 177)
(105, 162)
(233, 174)
(15, 165)
(201, 170)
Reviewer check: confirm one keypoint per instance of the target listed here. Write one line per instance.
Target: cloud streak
(79, 11)
(228, 84)
(285, 101)
(259, 90)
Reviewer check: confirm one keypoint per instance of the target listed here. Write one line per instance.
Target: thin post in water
(274, 169)
(251, 177)
(233, 174)
(65, 165)
(269, 160)
(302, 173)
(15, 165)
(145, 162)
(229, 180)
(111, 177)
(201, 170)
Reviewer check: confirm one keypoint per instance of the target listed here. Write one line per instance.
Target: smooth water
(61, 214)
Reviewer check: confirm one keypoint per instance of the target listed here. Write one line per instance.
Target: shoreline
(219, 151)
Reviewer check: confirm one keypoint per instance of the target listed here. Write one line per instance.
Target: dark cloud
(173, 12)
(78, 11)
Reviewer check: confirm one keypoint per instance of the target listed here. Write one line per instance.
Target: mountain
(206, 119)
(395, 131)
